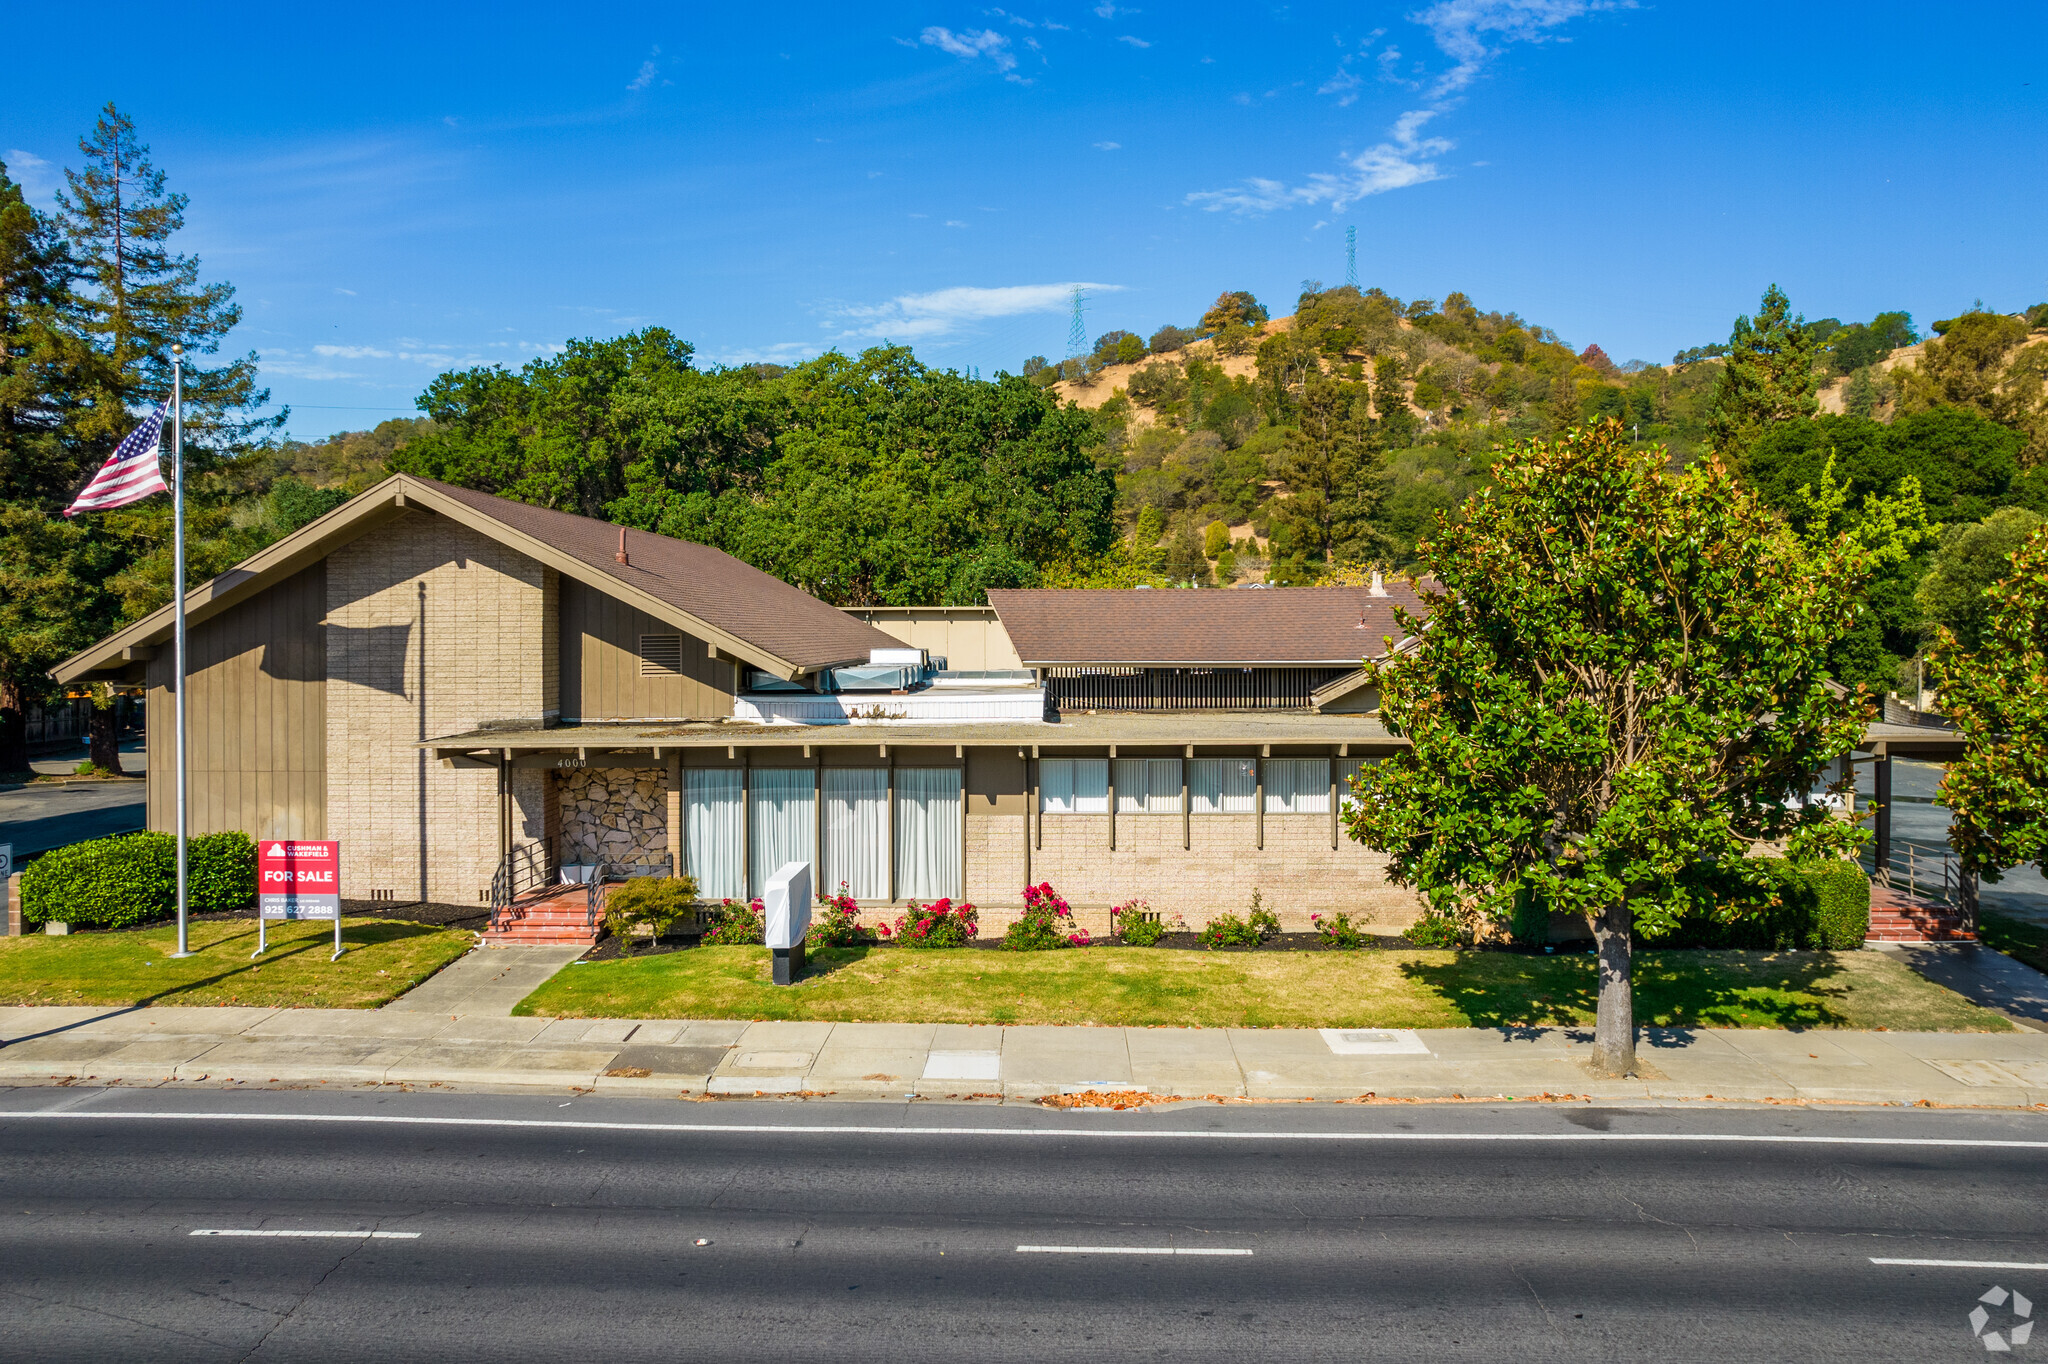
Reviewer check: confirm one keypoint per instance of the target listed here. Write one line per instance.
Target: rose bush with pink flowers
(938, 924)
(1047, 923)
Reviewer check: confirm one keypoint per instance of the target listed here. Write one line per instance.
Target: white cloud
(1109, 10)
(350, 293)
(1134, 42)
(1404, 159)
(969, 44)
(781, 353)
(1471, 33)
(352, 352)
(37, 178)
(954, 222)
(649, 71)
(1109, 146)
(1466, 31)
(924, 317)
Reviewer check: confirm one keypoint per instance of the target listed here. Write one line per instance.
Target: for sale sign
(298, 879)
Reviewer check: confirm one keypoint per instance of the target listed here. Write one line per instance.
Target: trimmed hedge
(133, 879)
(1822, 906)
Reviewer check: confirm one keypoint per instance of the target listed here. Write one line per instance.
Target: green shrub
(1138, 924)
(736, 923)
(1337, 931)
(221, 871)
(939, 924)
(133, 879)
(1435, 930)
(1047, 923)
(1529, 919)
(1821, 906)
(1227, 930)
(649, 905)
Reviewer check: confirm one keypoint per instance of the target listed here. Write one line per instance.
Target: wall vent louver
(661, 655)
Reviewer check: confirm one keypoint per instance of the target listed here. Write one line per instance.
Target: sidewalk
(358, 1048)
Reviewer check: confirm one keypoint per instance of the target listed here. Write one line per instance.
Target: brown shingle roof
(706, 583)
(1331, 625)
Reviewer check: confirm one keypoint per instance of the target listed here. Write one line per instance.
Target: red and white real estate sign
(298, 879)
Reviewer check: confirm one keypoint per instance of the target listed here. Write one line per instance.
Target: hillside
(1205, 424)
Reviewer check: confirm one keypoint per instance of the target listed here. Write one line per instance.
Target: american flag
(130, 473)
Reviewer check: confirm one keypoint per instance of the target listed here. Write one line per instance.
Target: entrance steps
(1898, 917)
(558, 914)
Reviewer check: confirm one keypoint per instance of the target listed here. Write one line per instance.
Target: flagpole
(178, 594)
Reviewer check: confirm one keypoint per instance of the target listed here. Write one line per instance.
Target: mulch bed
(610, 948)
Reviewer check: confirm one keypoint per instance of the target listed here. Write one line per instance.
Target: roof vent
(621, 555)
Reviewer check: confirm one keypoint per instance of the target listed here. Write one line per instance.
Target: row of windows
(881, 849)
(1215, 786)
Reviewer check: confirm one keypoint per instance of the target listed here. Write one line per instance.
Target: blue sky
(396, 191)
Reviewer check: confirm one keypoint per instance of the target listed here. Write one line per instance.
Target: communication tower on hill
(1077, 333)
(1351, 256)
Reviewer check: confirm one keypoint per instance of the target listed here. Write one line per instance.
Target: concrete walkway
(487, 982)
(676, 1058)
(1982, 976)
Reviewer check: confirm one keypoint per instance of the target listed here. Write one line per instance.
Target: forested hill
(1305, 447)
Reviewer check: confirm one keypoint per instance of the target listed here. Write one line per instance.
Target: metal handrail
(527, 867)
(1924, 873)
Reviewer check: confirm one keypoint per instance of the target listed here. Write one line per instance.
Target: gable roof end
(750, 615)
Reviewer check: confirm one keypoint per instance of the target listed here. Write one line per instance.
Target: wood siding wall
(601, 665)
(256, 717)
(969, 638)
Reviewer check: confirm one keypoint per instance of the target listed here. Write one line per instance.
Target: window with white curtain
(782, 825)
(1074, 786)
(1297, 786)
(1148, 786)
(856, 832)
(927, 832)
(1222, 786)
(713, 836)
(1347, 768)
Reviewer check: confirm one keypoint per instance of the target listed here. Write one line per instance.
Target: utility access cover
(1373, 1042)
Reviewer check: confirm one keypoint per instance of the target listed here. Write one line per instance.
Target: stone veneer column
(432, 629)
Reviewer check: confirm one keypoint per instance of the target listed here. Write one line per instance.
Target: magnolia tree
(1997, 695)
(1619, 691)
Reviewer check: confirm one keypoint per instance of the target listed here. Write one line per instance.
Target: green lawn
(1140, 987)
(2016, 938)
(385, 959)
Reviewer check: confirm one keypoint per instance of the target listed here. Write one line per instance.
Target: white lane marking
(1125, 1250)
(1961, 1264)
(323, 1235)
(1095, 1133)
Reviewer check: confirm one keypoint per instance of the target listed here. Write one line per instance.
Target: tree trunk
(1614, 1028)
(105, 737)
(13, 728)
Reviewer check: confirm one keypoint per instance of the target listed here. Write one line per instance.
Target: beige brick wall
(1297, 873)
(432, 630)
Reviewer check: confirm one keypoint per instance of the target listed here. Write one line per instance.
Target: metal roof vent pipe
(1379, 585)
(621, 555)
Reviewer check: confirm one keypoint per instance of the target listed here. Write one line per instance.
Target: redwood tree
(1620, 689)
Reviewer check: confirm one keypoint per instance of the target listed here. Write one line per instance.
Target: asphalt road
(50, 815)
(1410, 1232)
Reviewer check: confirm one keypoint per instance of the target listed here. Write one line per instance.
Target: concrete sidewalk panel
(658, 1032)
(352, 1023)
(168, 1020)
(20, 1021)
(1078, 1057)
(264, 1059)
(484, 1063)
(966, 1037)
(485, 1028)
(1188, 1061)
(718, 1032)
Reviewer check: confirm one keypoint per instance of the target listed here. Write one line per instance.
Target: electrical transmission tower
(1077, 332)
(1351, 256)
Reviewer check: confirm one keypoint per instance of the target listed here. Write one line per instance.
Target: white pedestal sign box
(786, 907)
